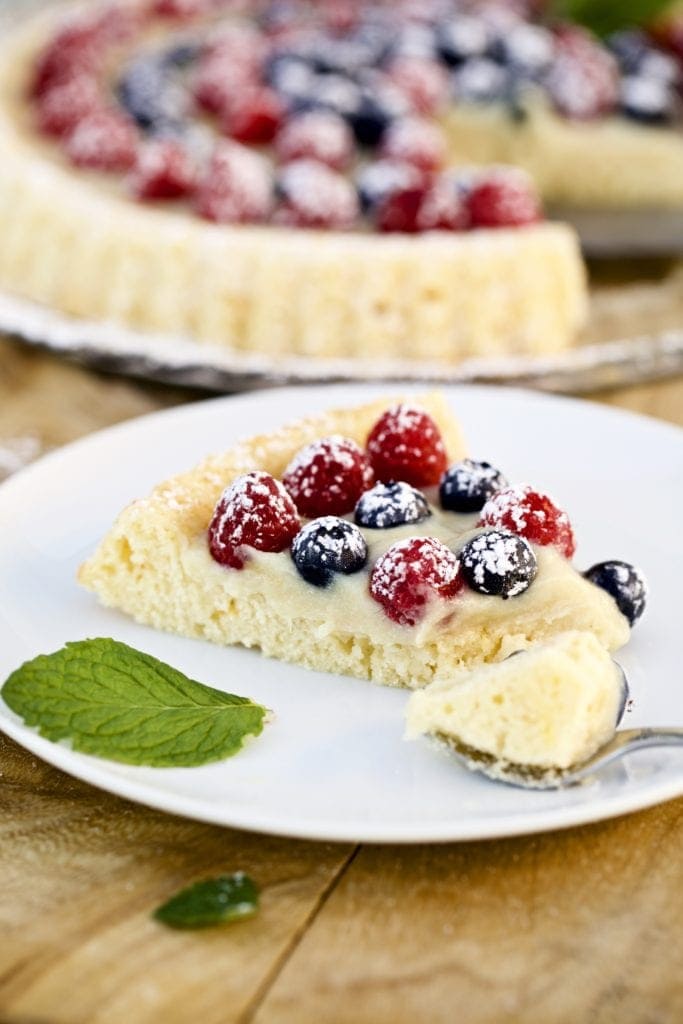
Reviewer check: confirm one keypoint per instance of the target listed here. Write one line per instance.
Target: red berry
(64, 104)
(436, 206)
(103, 141)
(239, 43)
(163, 170)
(583, 80)
(317, 135)
(256, 511)
(424, 82)
(328, 476)
(411, 573)
(503, 200)
(416, 141)
(236, 187)
(179, 10)
(74, 50)
(254, 116)
(219, 80)
(313, 196)
(530, 514)
(405, 445)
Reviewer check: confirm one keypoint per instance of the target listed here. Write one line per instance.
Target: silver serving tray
(176, 360)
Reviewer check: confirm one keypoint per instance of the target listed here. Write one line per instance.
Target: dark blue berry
(181, 54)
(378, 179)
(416, 40)
(648, 100)
(624, 583)
(387, 505)
(327, 546)
(526, 49)
(371, 119)
(468, 485)
(461, 39)
(149, 94)
(498, 562)
(629, 47)
(481, 81)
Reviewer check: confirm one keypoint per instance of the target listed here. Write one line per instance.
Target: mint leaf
(604, 18)
(115, 702)
(216, 901)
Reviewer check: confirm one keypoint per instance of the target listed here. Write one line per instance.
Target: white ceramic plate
(333, 764)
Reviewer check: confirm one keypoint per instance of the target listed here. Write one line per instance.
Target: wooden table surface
(577, 926)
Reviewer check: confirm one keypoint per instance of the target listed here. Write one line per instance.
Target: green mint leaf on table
(604, 17)
(115, 702)
(216, 901)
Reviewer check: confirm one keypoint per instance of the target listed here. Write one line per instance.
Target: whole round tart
(272, 180)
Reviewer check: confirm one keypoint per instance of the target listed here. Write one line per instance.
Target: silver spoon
(534, 777)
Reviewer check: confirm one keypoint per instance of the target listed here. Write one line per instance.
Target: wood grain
(564, 928)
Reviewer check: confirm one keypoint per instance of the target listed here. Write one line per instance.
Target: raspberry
(254, 116)
(583, 80)
(530, 514)
(432, 207)
(103, 141)
(163, 170)
(410, 573)
(317, 135)
(501, 201)
(405, 444)
(62, 106)
(240, 44)
(328, 476)
(236, 187)
(73, 51)
(255, 510)
(179, 10)
(313, 196)
(218, 80)
(424, 82)
(416, 141)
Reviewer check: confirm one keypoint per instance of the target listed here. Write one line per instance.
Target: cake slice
(283, 543)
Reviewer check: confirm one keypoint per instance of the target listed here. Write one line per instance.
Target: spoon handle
(627, 740)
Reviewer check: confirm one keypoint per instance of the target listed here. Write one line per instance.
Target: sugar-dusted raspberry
(412, 572)
(530, 514)
(316, 135)
(163, 169)
(423, 81)
(435, 206)
(219, 81)
(236, 187)
(414, 140)
(503, 199)
(254, 115)
(103, 141)
(66, 103)
(179, 10)
(313, 196)
(238, 43)
(73, 51)
(328, 476)
(583, 80)
(254, 511)
(405, 444)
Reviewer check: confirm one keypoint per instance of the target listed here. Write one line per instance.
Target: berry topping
(328, 476)
(256, 511)
(468, 485)
(236, 187)
(437, 206)
(73, 51)
(61, 107)
(103, 141)
(254, 116)
(414, 140)
(179, 10)
(530, 514)
(317, 135)
(499, 563)
(648, 100)
(583, 78)
(388, 505)
(379, 179)
(481, 81)
(327, 546)
(150, 96)
(218, 80)
(503, 200)
(462, 38)
(410, 573)
(625, 583)
(313, 196)
(422, 81)
(405, 444)
(163, 170)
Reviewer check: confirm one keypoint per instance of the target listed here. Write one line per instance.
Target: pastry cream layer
(550, 707)
(72, 240)
(154, 565)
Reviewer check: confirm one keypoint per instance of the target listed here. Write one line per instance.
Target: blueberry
(370, 121)
(181, 54)
(629, 46)
(461, 39)
(648, 100)
(480, 81)
(388, 505)
(378, 179)
(337, 93)
(415, 40)
(468, 485)
(624, 583)
(526, 49)
(499, 563)
(149, 95)
(327, 546)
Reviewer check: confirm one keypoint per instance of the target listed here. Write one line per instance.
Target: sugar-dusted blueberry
(381, 178)
(648, 100)
(499, 563)
(149, 94)
(328, 546)
(462, 38)
(394, 504)
(481, 81)
(625, 583)
(468, 485)
(526, 49)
